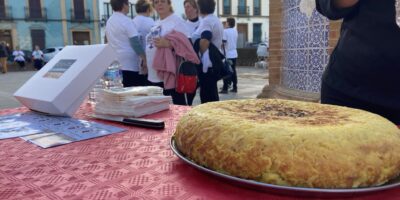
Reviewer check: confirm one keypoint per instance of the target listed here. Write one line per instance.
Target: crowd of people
(150, 52)
(18, 57)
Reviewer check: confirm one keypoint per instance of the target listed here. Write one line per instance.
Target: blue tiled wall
(305, 48)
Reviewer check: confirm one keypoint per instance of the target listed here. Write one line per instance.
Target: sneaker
(223, 92)
(233, 90)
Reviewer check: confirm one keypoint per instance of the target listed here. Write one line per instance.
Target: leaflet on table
(51, 130)
(14, 126)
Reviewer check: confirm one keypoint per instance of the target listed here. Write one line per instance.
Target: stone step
(14, 67)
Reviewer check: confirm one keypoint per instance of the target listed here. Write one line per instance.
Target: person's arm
(205, 40)
(336, 9)
(138, 48)
(224, 39)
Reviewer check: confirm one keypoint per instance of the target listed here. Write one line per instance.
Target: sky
(178, 7)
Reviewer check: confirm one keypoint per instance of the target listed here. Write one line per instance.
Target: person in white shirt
(37, 56)
(192, 15)
(19, 57)
(155, 39)
(124, 38)
(208, 22)
(229, 46)
(143, 23)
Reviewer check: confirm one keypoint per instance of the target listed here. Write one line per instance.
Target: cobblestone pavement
(250, 83)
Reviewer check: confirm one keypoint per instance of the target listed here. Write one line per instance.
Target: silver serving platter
(287, 190)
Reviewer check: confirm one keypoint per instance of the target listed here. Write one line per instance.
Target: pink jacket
(165, 62)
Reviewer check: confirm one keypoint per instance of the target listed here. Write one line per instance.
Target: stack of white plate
(131, 101)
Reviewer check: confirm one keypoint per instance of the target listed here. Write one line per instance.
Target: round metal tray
(287, 190)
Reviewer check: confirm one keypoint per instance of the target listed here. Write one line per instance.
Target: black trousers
(233, 79)
(332, 96)
(184, 99)
(131, 78)
(38, 63)
(21, 64)
(208, 87)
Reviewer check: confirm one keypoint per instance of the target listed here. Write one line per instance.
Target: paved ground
(251, 81)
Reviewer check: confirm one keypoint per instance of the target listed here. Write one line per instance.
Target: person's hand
(162, 43)
(204, 44)
(143, 67)
(345, 3)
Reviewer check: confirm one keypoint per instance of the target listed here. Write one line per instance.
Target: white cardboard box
(62, 84)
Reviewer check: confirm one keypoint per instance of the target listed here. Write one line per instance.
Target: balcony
(80, 15)
(227, 10)
(5, 13)
(243, 10)
(257, 11)
(35, 14)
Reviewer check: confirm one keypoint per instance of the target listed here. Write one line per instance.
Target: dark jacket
(366, 61)
(216, 58)
(3, 51)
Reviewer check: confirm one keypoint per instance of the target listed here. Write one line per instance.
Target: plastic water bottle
(93, 93)
(112, 78)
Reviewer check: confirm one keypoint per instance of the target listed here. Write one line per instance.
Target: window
(132, 10)
(38, 38)
(35, 9)
(49, 50)
(107, 12)
(257, 33)
(227, 7)
(257, 7)
(2, 9)
(81, 37)
(79, 9)
(242, 8)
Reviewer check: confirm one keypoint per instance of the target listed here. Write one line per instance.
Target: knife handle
(148, 123)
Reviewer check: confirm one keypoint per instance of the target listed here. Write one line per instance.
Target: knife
(142, 122)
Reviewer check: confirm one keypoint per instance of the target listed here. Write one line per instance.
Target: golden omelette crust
(291, 143)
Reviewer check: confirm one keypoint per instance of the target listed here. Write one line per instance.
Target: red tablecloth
(137, 164)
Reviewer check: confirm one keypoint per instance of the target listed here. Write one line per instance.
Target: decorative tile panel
(305, 44)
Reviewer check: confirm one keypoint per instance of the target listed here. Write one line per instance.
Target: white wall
(249, 20)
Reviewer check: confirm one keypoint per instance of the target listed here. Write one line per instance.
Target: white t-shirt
(37, 54)
(18, 55)
(143, 25)
(119, 29)
(192, 26)
(161, 28)
(231, 36)
(210, 23)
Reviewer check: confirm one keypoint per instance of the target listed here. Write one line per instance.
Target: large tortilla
(292, 143)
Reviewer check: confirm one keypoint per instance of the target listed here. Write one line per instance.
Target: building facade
(252, 19)
(49, 23)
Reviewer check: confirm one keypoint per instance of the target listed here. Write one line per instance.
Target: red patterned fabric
(137, 164)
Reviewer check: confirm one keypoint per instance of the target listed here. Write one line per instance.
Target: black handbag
(226, 71)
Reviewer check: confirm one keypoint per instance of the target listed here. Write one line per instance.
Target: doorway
(5, 35)
(38, 38)
(242, 35)
(81, 37)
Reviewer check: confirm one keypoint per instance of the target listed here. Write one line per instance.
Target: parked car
(49, 53)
